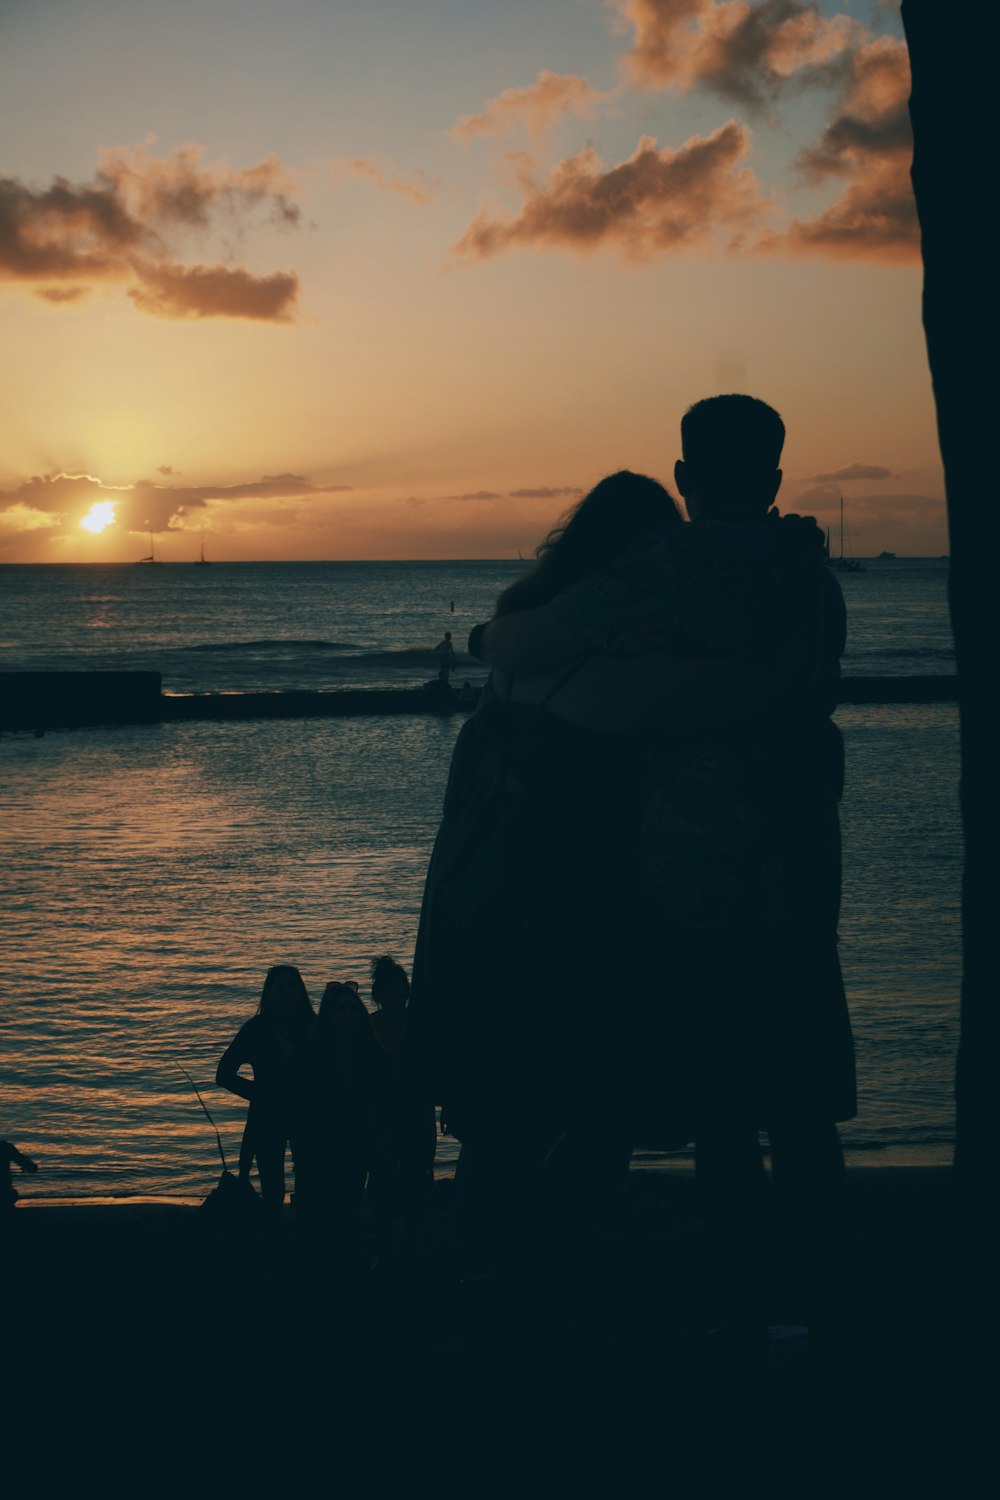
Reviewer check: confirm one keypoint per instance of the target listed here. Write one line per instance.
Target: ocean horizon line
(250, 562)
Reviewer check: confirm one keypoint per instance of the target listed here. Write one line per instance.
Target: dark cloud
(867, 147)
(656, 202)
(750, 52)
(123, 227)
(476, 495)
(872, 118)
(855, 471)
(746, 53)
(535, 107)
(165, 469)
(65, 231)
(144, 505)
(417, 188)
(168, 290)
(546, 492)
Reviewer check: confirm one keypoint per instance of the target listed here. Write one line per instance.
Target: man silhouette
(740, 840)
(446, 651)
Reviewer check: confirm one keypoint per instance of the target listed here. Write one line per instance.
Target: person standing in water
(446, 651)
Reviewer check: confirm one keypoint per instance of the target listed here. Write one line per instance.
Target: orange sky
(368, 280)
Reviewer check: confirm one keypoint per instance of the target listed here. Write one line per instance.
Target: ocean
(151, 874)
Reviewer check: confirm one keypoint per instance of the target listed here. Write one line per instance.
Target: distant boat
(842, 563)
(152, 558)
(206, 562)
(887, 557)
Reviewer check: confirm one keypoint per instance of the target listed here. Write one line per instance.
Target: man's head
(732, 448)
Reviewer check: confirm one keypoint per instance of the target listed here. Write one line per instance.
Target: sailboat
(842, 563)
(152, 558)
(203, 560)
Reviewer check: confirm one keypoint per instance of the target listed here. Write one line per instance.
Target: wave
(403, 655)
(271, 645)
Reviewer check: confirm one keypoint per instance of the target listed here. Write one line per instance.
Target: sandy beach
(142, 1309)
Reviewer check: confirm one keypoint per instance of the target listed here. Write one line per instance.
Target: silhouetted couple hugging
(629, 929)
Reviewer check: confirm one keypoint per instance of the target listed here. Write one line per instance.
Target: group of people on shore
(323, 1081)
(629, 927)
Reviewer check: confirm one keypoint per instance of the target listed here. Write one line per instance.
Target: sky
(344, 279)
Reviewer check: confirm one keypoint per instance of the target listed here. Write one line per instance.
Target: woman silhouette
(335, 1073)
(265, 1044)
(515, 1024)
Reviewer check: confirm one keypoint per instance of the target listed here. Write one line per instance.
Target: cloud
(538, 492)
(124, 227)
(26, 518)
(168, 290)
(418, 188)
(824, 499)
(165, 469)
(181, 189)
(872, 118)
(656, 202)
(744, 52)
(854, 471)
(534, 108)
(546, 492)
(143, 505)
(867, 146)
(911, 525)
(59, 294)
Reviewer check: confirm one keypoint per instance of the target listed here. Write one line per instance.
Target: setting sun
(100, 515)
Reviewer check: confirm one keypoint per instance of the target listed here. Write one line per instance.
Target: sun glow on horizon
(99, 517)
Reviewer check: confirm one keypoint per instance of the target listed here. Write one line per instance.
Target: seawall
(38, 701)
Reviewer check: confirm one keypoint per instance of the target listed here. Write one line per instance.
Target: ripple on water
(152, 875)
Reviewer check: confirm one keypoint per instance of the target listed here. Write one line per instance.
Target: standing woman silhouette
(265, 1043)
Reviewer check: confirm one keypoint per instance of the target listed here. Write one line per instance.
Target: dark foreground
(146, 1350)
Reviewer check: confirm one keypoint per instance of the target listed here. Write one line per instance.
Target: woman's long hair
(386, 972)
(300, 1015)
(358, 1047)
(340, 993)
(617, 513)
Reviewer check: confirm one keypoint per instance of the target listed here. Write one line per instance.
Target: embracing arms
(616, 693)
(527, 641)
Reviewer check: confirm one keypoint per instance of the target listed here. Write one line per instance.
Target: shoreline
(890, 1165)
(651, 1335)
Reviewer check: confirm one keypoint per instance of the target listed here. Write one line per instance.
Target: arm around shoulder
(526, 642)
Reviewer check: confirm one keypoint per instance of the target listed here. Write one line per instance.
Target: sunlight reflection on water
(152, 875)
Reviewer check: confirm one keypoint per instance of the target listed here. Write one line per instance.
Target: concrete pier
(38, 701)
(67, 700)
